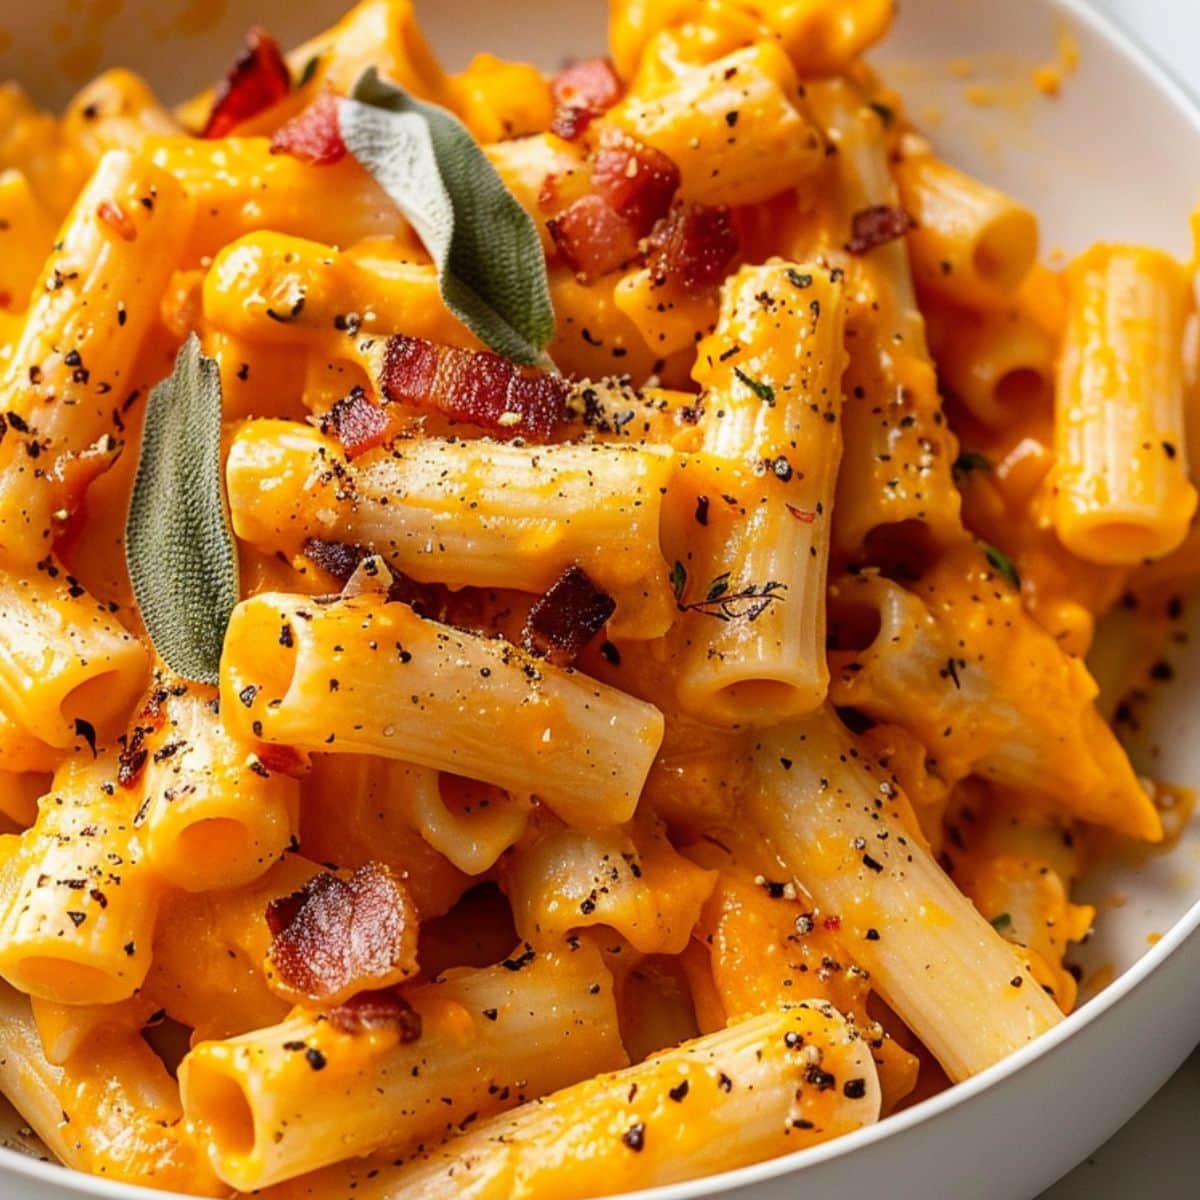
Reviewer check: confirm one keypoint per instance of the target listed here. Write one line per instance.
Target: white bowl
(1115, 156)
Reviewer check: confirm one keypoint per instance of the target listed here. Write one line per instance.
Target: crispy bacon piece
(581, 93)
(337, 937)
(357, 422)
(341, 559)
(338, 559)
(377, 1010)
(638, 181)
(475, 386)
(692, 248)
(874, 226)
(312, 135)
(570, 613)
(632, 187)
(592, 237)
(258, 78)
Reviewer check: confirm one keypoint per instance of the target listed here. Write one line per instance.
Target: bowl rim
(15, 1164)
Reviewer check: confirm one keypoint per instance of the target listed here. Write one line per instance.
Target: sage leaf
(491, 271)
(179, 548)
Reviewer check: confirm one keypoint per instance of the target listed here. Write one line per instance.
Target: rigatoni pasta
(542, 617)
(1121, 483)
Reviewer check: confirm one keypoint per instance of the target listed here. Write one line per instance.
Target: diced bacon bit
(338, 559)
(638, 181)
(692, 248)
(357, 422)
(570, 613)
(632, 187)
(377, 1010)
(258, 78)
(581, 93)
(341, 560)
(475, 386)
(337, 937)
(312, 135)
(117, 219)
(593, 238)
(877, 225)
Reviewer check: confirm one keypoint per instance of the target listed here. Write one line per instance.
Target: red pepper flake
(833, 924)
(258, 78)
(804, 515)
(593, 238)
(117, 219)
(357, 422)
(475, 386)
(282, 760)
(313, 135)
(571, 612)
(377, 1010)
(692, 248)
(581, 92)
(337, 937)
(877, 225)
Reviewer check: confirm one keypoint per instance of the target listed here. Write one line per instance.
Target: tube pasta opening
(60, 975)
(1005, 249)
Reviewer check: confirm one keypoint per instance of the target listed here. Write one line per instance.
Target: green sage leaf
(179, 547)
(491, 270)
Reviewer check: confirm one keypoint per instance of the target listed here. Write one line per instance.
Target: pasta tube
(359, 808)
(967, 670)
(64, 659)
(1122, 493)
(769, 148)
(776, 1083)
(970, 243)
(382, 286)
(471, 823)
(999, 365)
(896, 469)
(362, 675)
(631, 880)
(26, 232)
(214, 816)
(837, 825)
(115, 111)
(466, 512)
(757, 534)
(271, 1104)
(238, 186)
(112, 1110)
(77, 899)
(72, 367)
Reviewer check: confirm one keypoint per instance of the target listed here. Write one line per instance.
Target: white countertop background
(1155, 1153)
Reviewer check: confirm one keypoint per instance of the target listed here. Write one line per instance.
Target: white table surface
(1155, 1153)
